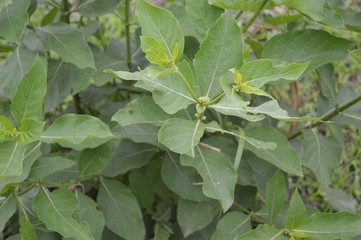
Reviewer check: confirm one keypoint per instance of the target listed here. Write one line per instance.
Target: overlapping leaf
(92, 8)
(275, 195)
(232, 225)
(7, 209)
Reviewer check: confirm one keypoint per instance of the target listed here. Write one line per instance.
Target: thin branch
(255, 15)
(127, 36)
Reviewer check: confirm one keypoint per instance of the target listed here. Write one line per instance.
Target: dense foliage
(194, 119)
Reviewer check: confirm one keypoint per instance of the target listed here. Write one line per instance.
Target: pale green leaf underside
(7, 209)
(263, 231)
(232, 225)
(11, 158)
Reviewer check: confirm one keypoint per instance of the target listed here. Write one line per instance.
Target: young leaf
(193, 216)
(68, 42)
(283, 156)
(14, 18)
(77, 131)
(93, 161)
(321, 154)
(232, 225)
(161, 25)
(313, 46)
(56, 210)
(325, 226)
(263, 231)
(11, 159)
(356, 54)
(154, 51)
(275, 195)
(181, 136)
(220, 51)
(141, 110)
(121, 211)
(45, 166)
(202, 16)
(93, 8)
(218, 174)
(7, 209)
(296, 213)
(27, 230)
(29, 96)
(29, 130)
(7, 129)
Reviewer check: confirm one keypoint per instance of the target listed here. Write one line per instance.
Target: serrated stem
(184, 80)
(329, 115)
(255, 15)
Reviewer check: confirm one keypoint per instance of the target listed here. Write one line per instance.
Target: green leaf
(93, 8)
(296, 213)
(160, 233)
(7, 129)
(313, 46)
(56, 210)
(14, 18)
(232, 225)
(3, 3)
(45, 166)
(220, 51)
(68, 42)
(310, 8)
(237, 4)
(356, 54)
(181, 136)
(27, 230)
(14, 70)
(187, 189)
(259, 72)
(329, 85)
(11, 159)
(202, 16)
(141, 186)
(127, 156)
(91, 215)
(121, 211)
(30, 130)
(193, 216)
(275, 195)
(325, 226)
(7, 209)
(218, 174)
(29, 96)
(93, 161)
(141, 110)
(154, 51)
(341, 201)
(283, 157)
(77, 131)
(321, 155)
(263, 231)
(161, 25)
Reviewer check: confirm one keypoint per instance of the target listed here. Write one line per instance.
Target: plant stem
(127, 36)
(66, 11)
(255, 15)
(329, 115)
(216, 99)
(190, 89)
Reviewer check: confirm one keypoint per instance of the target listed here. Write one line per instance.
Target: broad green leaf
(93, 161)
(296, 213)
(202, 16)
(140, 133)
(181, 136)
(283, 157)
(218, 174)
(45, 166)
(325, 226)
(313, 46)
(141, 186)
(29, 96)
(356, 54)
(141, 110)
(275, 195)
(14, 18)
(352, 20)
(68, 42)
(89, 213)
(232, 225)
(259, 72)
(77, 131)
(193, 216)
(27, 230)
(321, 155)
(220, 51)
(169, 92)
(310, 8)
(14, 70)
(161, 25)
(7, 209)
(160, 233)
(237, 4)
(188, 188)
(121, 211)
(56, 210)
(3, 3)
(92, 8)
(328, 81)
(263, 231)
(341, 201)
(7, 129)
(127, 156)
(11, 158)
(29, 130)
(154, 51)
